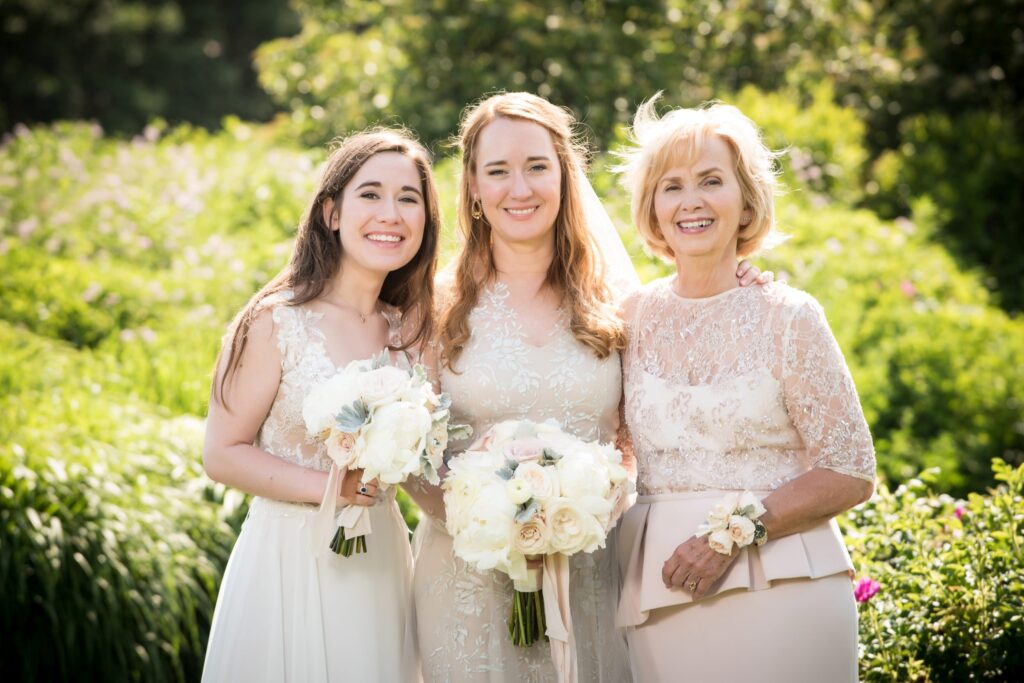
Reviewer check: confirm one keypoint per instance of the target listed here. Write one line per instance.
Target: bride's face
(518, 180)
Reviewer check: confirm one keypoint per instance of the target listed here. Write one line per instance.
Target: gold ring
(692, 586)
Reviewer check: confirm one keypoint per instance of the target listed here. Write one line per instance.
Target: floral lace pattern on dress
(743, 390)
(500, 376)
(304, 363)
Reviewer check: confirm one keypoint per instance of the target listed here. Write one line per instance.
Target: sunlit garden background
(156, 157)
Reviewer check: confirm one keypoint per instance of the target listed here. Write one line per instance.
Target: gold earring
(476, 210)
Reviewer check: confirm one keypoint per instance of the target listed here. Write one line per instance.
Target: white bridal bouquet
(526, 490)
(383, 420)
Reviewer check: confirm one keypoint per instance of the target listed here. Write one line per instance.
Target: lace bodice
(500, 376)
(743, 390)
(462, 613)
(304, 363)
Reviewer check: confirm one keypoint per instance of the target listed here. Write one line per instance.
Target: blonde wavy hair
(677, 138)
(576, 271)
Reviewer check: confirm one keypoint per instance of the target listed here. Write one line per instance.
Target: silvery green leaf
(444, 401)
(457, 432)
(509, 470)
(527, 511)
(419, 374)
(352, 418)
(549, 457)
(381, 360)
(746, 511)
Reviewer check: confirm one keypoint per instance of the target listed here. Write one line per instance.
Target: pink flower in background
(908, 289)
(866, 589)
(959, 511)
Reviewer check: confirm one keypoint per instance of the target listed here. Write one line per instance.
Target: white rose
(580, 477)
(485, 540)
(720, 541)
(518, 491)
(741, 530)
(325, 401)
(573, 530)
(540, 480)
(393, 441)
(749, 499)
(382, 385)
(532, 538)
(723, 509)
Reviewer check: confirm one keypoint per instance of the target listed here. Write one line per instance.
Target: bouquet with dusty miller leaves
(527, 490)
(384, 420)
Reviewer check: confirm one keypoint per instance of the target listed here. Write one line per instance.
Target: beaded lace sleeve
(820, 395)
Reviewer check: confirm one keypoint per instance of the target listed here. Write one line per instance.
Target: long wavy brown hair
(316, 256)
(576, 271)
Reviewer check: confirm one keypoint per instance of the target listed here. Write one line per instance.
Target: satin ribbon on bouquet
(353, 519)
(559, 617)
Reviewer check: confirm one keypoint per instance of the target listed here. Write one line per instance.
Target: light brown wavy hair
(576, 271)
(677, 138)
(316, 256)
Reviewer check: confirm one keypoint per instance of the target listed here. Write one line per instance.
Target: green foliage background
(122, 259)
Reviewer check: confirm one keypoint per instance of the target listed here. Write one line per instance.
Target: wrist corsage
(734, 521)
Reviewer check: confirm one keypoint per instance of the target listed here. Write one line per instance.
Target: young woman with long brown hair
(363, 261)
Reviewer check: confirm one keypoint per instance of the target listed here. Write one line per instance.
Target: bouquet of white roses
(528, 490)
(385, 421)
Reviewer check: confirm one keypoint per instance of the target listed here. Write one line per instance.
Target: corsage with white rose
(734, 520)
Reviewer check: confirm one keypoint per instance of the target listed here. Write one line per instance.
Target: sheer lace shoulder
(304, 362)
(745, 389)
(820, 394)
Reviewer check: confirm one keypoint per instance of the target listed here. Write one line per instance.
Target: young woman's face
(699, 207)
(518, 180)
(381, 215)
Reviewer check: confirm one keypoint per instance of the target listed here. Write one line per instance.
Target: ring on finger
(692, 586)
(364, 491)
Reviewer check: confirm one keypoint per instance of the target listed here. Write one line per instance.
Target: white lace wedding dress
(744, 390)
(286, 611)
(462, 613)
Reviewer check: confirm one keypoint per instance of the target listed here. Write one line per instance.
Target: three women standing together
(725, 389)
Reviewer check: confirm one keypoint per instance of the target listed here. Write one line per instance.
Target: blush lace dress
(287, 611)
(743, 390)
(461, 613)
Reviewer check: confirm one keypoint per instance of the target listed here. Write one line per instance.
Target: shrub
(951, 601)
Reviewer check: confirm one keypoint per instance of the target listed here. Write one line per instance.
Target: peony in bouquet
(528, 490)
(383, 420)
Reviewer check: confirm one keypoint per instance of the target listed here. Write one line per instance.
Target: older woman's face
(699, 207)
(518, 180)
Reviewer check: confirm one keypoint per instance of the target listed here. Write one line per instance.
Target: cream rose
(382, 385)
(539, 479)
(532, 538)
(572, 530)
(741, 530)
(720, 541)
(341, 447)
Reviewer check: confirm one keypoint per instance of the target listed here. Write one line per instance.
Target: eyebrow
(501, 162)
(701, 174)
(377, 183)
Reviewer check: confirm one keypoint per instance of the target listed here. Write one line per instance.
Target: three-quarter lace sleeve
(820, 395)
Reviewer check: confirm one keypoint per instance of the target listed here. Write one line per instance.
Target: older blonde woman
(746, 426)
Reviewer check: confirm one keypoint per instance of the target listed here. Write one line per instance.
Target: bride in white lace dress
(731, 389)
(288, 608)
(530, 331)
